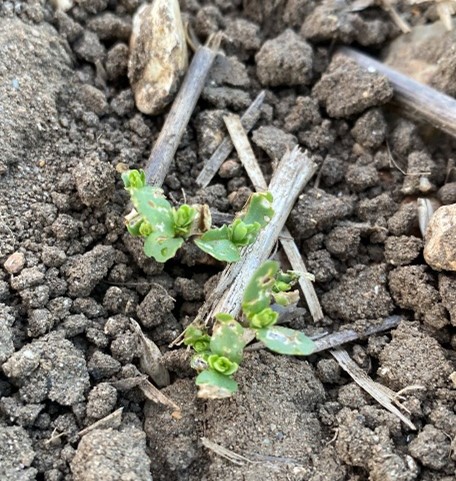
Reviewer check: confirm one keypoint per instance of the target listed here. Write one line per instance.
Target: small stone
(230, 169)
(285, 60)
(158, 55)
(440, 239)
(15, 263)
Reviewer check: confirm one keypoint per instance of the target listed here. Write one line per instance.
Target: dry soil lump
(347, 89)
(285, 60)
(112, 455)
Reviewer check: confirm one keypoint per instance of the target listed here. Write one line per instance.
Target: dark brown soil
(71, 278)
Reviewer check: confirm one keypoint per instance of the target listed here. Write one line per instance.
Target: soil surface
(70, 276)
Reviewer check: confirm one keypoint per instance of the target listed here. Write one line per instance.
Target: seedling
(165, 228)
(217, 357)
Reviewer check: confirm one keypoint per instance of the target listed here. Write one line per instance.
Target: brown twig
(417, 100)
(168, 141)
(342, 337)
(249, 119)
(247, 157)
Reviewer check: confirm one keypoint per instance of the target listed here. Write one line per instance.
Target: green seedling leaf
(242, 234)
(151, 204)
(183, 219)
(196, 338)
(259, 209)
(222, 364)
(145, 229)
(227, 340)
(223, 316)
(257, 295)
(216, 243)
(286, 341)
(161, 247)
(265, 318)
(134, 179)
(288, 277)
(213, 385)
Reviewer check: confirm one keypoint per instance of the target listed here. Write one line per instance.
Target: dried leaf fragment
(158, 55)
(150, 357)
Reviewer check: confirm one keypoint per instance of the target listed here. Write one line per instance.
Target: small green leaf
(216, 243)
(197, 339)
(265, 318)
(286, 341)
(145, 229)
(152, 205)
(213, 385)
(288, 277)
(259, 209)
(134, 179)
(222, 364)
(242, 234)
(227, 340)
(183, 219)
(223, 316)
(161, 247)
(257, 295)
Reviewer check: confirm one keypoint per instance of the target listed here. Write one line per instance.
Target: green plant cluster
(165, 228)
(217, 357)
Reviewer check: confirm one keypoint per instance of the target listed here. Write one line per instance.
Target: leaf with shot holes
(286, 341)
(227, 340)
(161, 247)
(257, 294)
(213, 385)
(217, 244)
(152, 205)
(258, 209)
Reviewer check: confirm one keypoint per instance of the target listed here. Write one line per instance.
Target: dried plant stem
(249, 119)
(247, 157)
(294, 171)
(112, 420)
(342, 337)
(417, 100)
(168, 141)
(381, 394)
(388, 6)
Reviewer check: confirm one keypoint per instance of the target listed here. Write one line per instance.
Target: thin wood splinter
(173, 129)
